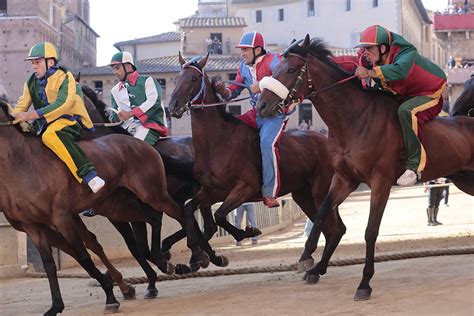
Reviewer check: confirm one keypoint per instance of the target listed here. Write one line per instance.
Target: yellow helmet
(43, 50)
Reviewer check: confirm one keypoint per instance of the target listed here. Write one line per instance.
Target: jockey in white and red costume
(255, 65)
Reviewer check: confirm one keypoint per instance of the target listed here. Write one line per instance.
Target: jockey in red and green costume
(400, 69)
(59, 112)
(138, 99)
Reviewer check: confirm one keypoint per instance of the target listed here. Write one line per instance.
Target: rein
(304, 69)
(101, 124)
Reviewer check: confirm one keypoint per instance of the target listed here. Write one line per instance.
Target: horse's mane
(318, 48)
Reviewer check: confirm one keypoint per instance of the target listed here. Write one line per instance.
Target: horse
(178, 158)
(464, 105)
(36, 195)
(228, 162)
(365, 140)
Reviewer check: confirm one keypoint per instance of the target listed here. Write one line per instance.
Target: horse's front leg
(339, 190)
(380, 191)
(210, 227)
(240, 194)
(41, 242)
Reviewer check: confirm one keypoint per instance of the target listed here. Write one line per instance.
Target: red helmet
(375, 35)
(252, 40)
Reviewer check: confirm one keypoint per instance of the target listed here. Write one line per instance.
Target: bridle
(291, 98)
(197, 102)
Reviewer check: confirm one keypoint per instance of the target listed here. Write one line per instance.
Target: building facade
(25, 23)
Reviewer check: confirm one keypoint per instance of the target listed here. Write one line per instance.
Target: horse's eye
(194, 79)
(291, 70)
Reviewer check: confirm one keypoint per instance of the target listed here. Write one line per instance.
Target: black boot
(435, 215)
(429, 212)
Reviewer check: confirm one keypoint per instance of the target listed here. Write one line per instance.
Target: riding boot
(429, 212)
(435, 215)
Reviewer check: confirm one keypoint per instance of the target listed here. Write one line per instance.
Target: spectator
(208, 42)
(435, 195)
(303, 126)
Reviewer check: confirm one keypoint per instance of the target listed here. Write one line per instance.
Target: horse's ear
(294, 40)
(78, 77)
(181, 59)
(203, 61)
(306, 41)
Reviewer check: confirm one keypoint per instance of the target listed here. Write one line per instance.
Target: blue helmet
(252, 40)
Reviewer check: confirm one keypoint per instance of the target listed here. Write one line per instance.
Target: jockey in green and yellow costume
(398, 68)
(60, 112)
(138, 98)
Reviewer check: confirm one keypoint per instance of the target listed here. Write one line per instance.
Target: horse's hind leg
(210, 227)
(65, 225)
(138, 253)
(41, 242)
(90, 240)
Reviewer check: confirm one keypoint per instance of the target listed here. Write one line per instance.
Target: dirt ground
(441, 285)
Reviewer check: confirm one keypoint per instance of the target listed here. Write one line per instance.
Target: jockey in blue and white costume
(255, 65)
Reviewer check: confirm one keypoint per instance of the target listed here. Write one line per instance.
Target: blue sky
(121, 20)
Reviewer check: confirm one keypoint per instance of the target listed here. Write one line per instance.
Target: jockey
(255, 65)
(59, 110)
(138, 98)
(400, 69)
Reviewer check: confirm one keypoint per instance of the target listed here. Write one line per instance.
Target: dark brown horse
(365, 140)
(38, 195)
(464, 105)
(228, 163)
(178, 158)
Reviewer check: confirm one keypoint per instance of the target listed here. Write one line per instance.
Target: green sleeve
(401, 66)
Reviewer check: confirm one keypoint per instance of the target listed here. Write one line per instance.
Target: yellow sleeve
(24, 101)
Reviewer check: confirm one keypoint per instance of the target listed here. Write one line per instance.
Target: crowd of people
(452, 9)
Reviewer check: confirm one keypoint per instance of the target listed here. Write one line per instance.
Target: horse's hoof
(166, 255)
(170, 268)
(194, 266)
(305, 265)
(130, 294)
(362, 294)
(224, 261)
(312, 278)
(182, 269)
(151, 294)
(111, 308)
(204, 262)
(252, 232)
(54, 310)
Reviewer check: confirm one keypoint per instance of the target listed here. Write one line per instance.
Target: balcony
(454, 22)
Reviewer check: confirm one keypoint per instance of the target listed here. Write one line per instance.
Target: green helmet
(123, 58)
(43, 50)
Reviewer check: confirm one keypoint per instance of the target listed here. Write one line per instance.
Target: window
(162, 83)
(3, 7)
(281, 15)
(234, 109)
(348, 5)
(306, 114)
(98, 87)
(311, 8)
(232, 76)
(375, 3)
(258, 16)
(216, 44)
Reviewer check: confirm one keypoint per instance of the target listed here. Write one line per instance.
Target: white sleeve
(151, 95)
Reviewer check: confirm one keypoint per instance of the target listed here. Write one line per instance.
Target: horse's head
(189, 85)
(291, 73)
(464, 105)
(297, 75)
